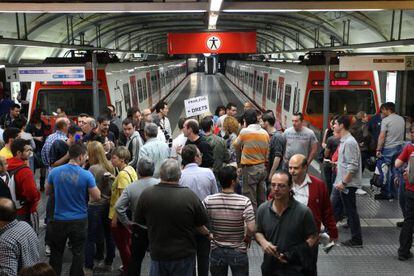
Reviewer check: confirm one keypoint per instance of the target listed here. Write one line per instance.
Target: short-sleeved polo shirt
(293, 227)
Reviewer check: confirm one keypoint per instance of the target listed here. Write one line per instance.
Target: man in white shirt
(179, 142)
(162, 110)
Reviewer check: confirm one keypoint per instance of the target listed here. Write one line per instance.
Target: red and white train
(125, 85)
(288, 88)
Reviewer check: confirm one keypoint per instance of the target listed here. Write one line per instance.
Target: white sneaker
(47, 250)
(87, 271)
(360, 192)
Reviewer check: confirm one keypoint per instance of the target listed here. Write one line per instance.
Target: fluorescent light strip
(105, 11)
(298, 10)
(215, 5)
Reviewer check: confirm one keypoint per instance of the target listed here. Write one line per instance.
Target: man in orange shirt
(252, 146)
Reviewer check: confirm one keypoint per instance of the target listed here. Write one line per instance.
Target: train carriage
(288, 88)
(125, 85)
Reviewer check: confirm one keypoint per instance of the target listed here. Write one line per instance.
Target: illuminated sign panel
(212, 42)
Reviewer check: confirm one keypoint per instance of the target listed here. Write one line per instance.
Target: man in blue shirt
(203, 183)
(71, 185)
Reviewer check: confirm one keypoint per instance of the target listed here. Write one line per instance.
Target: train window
(257, 83)
(288, 94)
(251, 80)
(140, 95)
(274, 88)
(342, 102)
(74, 101)
(144, 88)
(269, 89)
(296, 100)
(127, 98)
(153, 85)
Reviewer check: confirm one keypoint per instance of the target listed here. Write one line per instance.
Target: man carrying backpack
(22, 184)
(406, 235)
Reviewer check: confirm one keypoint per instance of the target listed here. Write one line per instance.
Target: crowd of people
(194, 202)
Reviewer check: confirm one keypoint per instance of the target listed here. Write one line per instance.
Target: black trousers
(58, 233)
(203, 255)
(406, 235)
(139, 246)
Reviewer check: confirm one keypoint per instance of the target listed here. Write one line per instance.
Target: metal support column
(67, 29)
(392, 25)
(326, 84)
(95, 85)
(25, 26)
(400, 25)
(349, 29)
(17, 26)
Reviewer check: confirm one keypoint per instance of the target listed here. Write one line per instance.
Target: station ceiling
(33, 30)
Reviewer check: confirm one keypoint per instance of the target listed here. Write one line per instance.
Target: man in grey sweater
(128, 201)
(348, 180)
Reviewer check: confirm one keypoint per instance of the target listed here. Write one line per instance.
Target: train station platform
(378, 218)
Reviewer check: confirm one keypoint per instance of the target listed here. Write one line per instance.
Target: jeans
(388, 157)
(98, 222)
(406, 235)
(254, 184)
(203, 254)
(181, 267)
(349, 205)
(139, 246)
(337, 205)
(221, 258)
(327, 173)
(401, 191)
(59, 232)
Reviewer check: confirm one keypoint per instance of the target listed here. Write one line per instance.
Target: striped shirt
(227, 214)
(252, 145)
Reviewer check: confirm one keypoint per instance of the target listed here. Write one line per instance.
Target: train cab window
(74, 101)
(144, 88)
(140, 95)
(274, 88)
(269, 89)
(342, 102)
(288, 94)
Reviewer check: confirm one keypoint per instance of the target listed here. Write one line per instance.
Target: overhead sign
(212, 42)
(376, 63)
(20, 74)
(196, 106)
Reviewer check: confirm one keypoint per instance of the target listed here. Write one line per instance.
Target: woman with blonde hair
(98, 211)
(231, 128)
(127, 175)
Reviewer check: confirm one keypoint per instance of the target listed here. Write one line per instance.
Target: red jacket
(320, 205)
(25, 186)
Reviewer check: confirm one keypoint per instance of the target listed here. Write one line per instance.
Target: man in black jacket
(191, 130)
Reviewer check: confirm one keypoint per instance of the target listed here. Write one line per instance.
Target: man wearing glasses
(26, 194)
(286, 231)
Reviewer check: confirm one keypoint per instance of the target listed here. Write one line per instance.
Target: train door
(265, 88)
(254, 85)
(279, 98)
(158, 83)
(134, 94)
(149, 88)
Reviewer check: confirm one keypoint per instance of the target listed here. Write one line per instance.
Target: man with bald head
(312, 192)
(19, 244)
(61, 126)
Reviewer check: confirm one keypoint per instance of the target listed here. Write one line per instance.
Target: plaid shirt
(48, 145)
(19, 247)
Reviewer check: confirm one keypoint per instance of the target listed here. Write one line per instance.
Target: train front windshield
(73, 101)
(342, 102)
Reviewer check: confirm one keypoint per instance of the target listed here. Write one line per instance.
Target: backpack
(410, 169)
(12, 187)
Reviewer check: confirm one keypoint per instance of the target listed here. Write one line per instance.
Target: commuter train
(124, 85)
(288, 88)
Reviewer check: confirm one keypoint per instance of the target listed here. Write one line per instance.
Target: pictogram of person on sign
(213, 43)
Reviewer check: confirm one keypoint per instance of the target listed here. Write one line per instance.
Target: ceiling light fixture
(215, 5)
